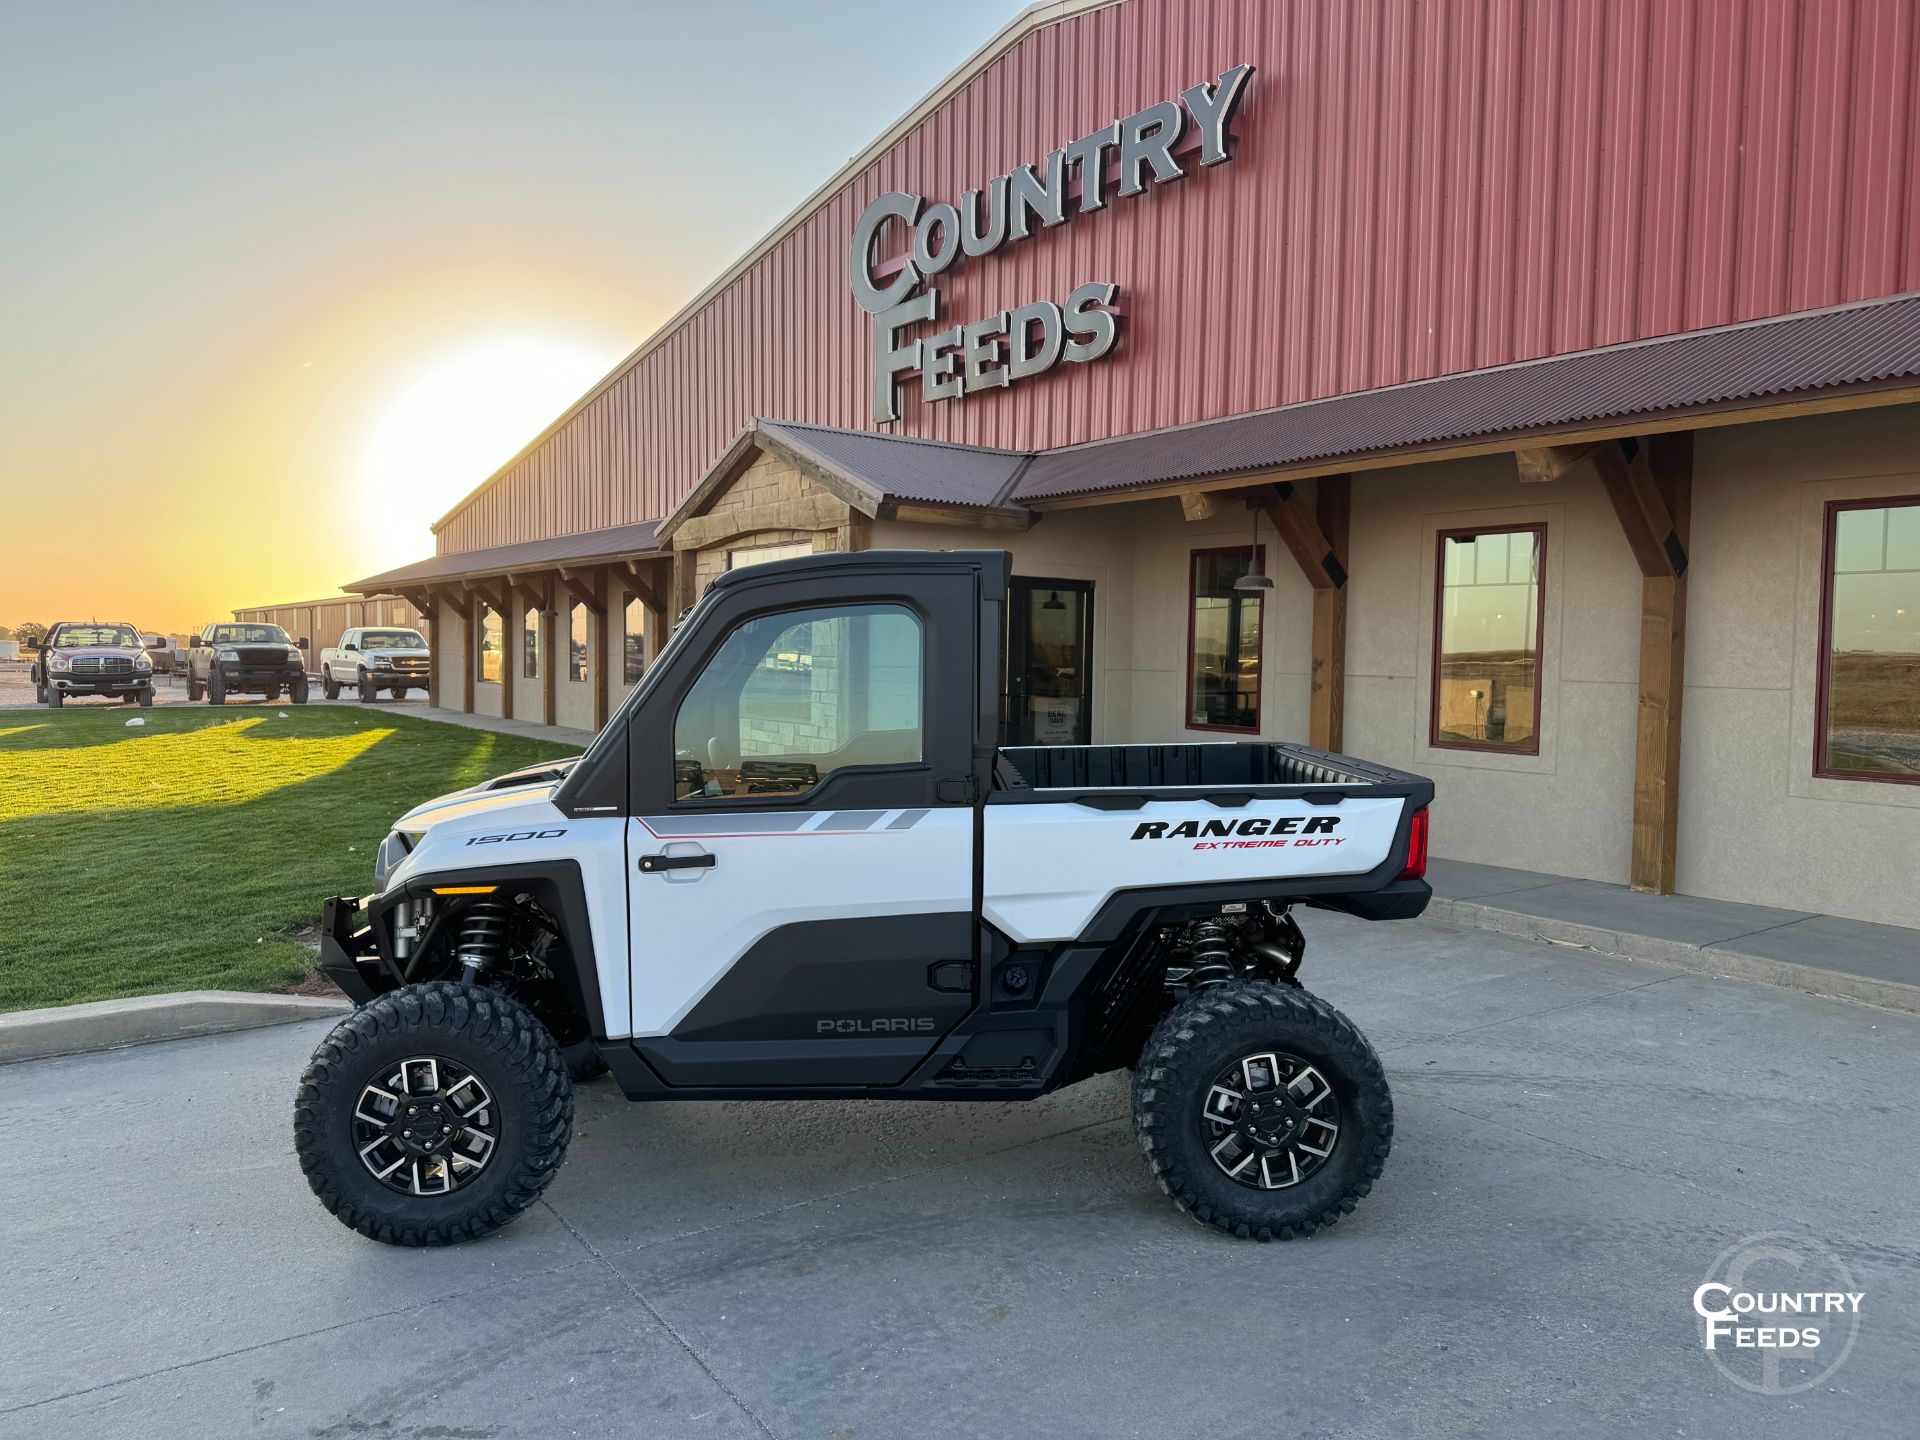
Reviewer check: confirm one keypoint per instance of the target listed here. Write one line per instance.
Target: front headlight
(224, 652)
(58, 663)
(143, 662)
(387, 859)
(294, 652)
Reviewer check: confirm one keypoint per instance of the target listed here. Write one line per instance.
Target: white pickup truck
(373, 658)
(798, 864)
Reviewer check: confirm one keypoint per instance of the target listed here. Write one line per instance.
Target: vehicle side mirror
(350, 646)
(301, 642)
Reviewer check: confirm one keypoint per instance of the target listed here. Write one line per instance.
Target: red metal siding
(1420, 187)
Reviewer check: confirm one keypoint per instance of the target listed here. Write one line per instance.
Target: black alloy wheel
(1262, 1110)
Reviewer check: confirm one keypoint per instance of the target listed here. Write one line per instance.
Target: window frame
(1538, 529)
(628, 634)
(585, 677)
(530, 659)
(1193, 597)
(1823, 661)
(481, 611)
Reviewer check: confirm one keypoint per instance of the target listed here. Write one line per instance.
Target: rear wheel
(1262, 1110)
(436, 1114)
(399, 692)
(194, 689)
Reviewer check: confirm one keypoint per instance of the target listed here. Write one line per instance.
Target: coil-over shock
(484, 927)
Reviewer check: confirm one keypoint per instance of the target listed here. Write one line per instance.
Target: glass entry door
(1049, 662)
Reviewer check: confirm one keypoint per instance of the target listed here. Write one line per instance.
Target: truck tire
(194, 689)
(365, 688)
(146, 698)
(297, 691)
(327, 687)
(450, 1052)
(54, 698)
(1320, 1095)
(216, 688)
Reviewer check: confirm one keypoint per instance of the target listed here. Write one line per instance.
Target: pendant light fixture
(1053, 602)
(1255, 579)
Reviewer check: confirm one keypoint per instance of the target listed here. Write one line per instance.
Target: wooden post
(1317, 539)
(549, 653)
(1326, 719)
(1651, 488)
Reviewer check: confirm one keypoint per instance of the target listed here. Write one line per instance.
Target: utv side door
(801, 840)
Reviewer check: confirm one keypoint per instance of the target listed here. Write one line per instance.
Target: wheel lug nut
(407, 1133)
(446, 1129)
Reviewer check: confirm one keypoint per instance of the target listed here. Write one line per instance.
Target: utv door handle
(651, 863)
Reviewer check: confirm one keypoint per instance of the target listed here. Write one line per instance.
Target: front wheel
(216, 688)
(364, 687)
(54, 696)
(194, 690)
(436, 1114)
(1262, 1110)
(297, 691)
(146, 698)
(327, 687)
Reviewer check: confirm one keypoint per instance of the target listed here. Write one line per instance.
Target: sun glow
(453, 424)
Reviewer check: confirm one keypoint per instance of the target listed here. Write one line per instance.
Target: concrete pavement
(1576, 1144)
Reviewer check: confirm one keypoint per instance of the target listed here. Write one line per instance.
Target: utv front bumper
(350, 955)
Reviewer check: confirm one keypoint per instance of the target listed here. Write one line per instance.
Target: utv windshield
(119, 636)
(249, 635)
(391, 640)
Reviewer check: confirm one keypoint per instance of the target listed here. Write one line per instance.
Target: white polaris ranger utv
(796, 865)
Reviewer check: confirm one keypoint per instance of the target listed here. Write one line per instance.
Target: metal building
(1555, 360)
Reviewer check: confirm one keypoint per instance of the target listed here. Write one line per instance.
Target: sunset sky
(283, 283)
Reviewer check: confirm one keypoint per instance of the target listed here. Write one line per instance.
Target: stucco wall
(1755, 824)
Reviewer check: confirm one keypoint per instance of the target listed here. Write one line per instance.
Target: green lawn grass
(187, 853)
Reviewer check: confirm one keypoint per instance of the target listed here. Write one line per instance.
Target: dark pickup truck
(245, 658)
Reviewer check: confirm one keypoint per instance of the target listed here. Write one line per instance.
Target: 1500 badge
(516, 835)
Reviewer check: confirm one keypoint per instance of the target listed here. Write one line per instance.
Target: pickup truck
(87, 657)
(374, 658)
(798, 864)
(242, 658)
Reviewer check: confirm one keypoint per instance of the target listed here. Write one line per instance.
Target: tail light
(1416, 847)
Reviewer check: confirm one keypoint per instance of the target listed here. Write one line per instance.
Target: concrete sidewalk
(561, 734)
(1821, 954)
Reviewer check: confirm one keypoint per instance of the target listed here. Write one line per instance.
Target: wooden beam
(1327, 697)
(1549, 462)
(1639, 501)
(589, 588)
(641, 586)
(1301, 532)
(1200, 505)
(1668, 462)
(435, 632)
(599, 672)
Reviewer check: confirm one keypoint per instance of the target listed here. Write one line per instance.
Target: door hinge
(956, 789)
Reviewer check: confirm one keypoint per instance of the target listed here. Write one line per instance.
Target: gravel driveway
(1579, 1138)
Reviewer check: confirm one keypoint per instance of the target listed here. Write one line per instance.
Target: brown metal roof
(901, 467)
(1876, 340)
(618, 542)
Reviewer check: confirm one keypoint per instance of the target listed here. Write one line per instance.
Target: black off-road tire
(327, 687)
(297, 692)
(583, 1062)
(482, 1031)
(216, 688)
(146, 698)
(194, 689)
(367, 691)
(1209, 1030)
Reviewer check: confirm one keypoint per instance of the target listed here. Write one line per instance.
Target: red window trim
(1193, 595)
(1829, 534)
(1539, 529)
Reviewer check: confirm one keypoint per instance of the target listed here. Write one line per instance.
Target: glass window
(1223, 660)
(491, 664)
(577, 644)
(790, 698)
(1486, 672)
(1869, 720)
(530, 645)
(633, 645)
